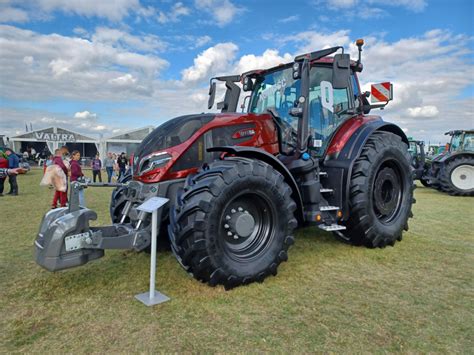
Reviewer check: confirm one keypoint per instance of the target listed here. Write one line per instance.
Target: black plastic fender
(256, 153)
(339, 167)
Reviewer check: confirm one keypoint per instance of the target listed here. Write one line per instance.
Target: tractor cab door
(468, 143)
(328, 107)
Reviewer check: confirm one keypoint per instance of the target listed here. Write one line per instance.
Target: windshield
(328, 107)
(278, 90)
(413, 149)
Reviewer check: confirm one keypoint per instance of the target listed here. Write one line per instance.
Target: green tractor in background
(419, 161)
(453, 171)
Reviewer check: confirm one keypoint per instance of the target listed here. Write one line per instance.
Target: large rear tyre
(381, 192)
(233, 224)
(457, 176)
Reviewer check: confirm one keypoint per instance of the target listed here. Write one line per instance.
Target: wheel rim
(387, 193)
(462, 177)
(246, 226)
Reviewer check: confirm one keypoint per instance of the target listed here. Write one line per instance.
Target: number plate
(75, 242)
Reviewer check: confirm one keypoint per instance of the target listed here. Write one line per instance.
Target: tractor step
(332, 228)
(328, 208)
(324, 190)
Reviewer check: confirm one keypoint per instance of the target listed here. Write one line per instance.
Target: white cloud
(112, 10)
(11, 14)
(268, 59)
(211, 61)
(202, 41)
(309, 41)
(115, 37)
(291, 18)
(28, 59)
(85, 115)
(423, 111)
(178, 10)
(223, 11)
(75, 68)
(413, 5)
(124, 80)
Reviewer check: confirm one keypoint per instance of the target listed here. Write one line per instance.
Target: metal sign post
(153, 205)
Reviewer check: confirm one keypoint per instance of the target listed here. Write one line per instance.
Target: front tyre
(381, 192)
(457, 176)
(234, 223)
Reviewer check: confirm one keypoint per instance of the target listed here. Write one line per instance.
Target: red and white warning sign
(381, 92)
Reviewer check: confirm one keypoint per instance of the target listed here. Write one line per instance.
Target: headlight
(154, 161)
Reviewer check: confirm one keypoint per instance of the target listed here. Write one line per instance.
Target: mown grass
(329, 296)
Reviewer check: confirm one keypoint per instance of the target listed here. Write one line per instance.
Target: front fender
(260, 154)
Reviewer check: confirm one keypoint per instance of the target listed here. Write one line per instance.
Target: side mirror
(247, 84)
(212, 95)
(341, 71)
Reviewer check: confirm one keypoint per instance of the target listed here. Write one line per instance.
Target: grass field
(329, 297)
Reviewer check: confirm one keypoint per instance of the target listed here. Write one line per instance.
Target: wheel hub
(387, 190)
(462, 177)
(239, 223)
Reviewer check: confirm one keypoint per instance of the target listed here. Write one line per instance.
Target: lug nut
(236, 236)
(233, 210)
(229, 234)
(240, 209)
(227, 217)
(226, 226)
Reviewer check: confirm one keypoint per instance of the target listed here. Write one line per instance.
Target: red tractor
(306, 152)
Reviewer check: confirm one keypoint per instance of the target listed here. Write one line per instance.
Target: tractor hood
(180, 145)
(172, 133)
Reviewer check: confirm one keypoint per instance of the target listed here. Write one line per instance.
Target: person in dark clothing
(3, 165)
(122, 163)
(13, 163)
(96, 166)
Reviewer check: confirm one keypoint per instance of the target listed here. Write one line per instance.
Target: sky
(105, 67)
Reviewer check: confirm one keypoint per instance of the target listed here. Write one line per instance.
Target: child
(76, 173)
(60, 195)
(96, 166)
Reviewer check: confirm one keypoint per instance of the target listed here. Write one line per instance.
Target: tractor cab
(461, 140)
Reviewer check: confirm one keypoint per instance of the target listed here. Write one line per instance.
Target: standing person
(116, 168)
(3, 165)
(122, 163)
(13, 163)
(76, 174)
(60, 195)
(109, 166)
(96, 166)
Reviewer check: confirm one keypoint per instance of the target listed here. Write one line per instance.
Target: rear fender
(339, 165)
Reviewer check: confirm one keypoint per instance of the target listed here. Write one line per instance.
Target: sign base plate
(145, 298)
